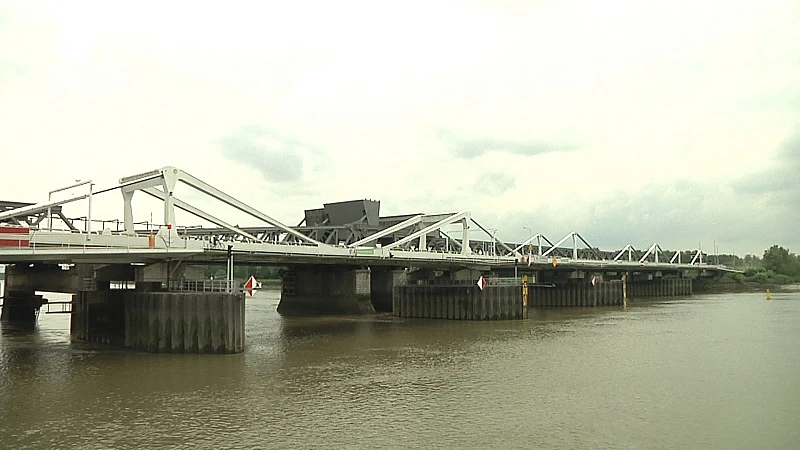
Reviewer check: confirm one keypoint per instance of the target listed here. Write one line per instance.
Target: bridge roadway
(118, 248)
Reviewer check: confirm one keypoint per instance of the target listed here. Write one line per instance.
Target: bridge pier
(577, 294)
(454, 295)
(646, 287)
(161, 322)
(460, 301)
(21, 308)
(318, 290)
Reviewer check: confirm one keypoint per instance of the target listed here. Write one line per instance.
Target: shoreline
(712, 287)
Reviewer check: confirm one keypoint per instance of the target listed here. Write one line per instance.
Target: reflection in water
(708, 371)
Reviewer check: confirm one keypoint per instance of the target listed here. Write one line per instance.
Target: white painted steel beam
(655, 249)
(537, 237)
(38, 208)
(628, 248)
(436, 226)
(388, 231)
(199, 213)
(502, 244)
(555, 246)
(167, 177)
(227, 199)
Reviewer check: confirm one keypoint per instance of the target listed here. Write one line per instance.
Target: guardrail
(203, 285)
(57, 308)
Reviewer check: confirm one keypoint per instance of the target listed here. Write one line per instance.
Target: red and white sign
(251, 285)
(14, 236)
(595, 281)
(482, 282)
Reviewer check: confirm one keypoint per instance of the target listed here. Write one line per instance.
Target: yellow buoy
(769, 295)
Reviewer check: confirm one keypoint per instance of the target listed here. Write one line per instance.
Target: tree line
(776, 266)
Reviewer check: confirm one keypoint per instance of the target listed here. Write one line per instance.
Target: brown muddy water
(713, 371)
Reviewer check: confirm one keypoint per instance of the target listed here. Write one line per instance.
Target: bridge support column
(161, 322)
(21, 308)
(320, 290)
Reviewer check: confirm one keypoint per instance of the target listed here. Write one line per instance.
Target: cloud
(494, 183)
(474, 147)
(277, 158)
(781, 179)
(678, 214)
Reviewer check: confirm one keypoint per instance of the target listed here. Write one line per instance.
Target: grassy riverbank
(748, 282)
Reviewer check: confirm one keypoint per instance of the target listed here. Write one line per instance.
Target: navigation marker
(482, 282)
(251, 285)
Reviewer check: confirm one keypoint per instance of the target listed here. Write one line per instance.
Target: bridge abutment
(316, 290)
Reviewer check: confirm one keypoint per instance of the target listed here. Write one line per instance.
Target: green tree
(779, 260)
(752, 262)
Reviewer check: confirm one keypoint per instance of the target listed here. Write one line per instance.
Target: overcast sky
(627, 121)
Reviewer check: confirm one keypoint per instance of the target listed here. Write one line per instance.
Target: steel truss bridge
(444, 240)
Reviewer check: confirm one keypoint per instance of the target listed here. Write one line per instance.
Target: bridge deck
(65, 247)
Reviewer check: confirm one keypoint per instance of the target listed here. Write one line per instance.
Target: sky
(629, 122)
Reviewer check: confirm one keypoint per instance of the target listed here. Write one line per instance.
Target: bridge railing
(490, 281)
(201, 285)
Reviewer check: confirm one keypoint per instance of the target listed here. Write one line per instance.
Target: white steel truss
(629, 249)
(538, 238)
(161, 184)
(575, 238)
(655, 250)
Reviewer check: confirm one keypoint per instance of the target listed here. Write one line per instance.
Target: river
(713, 371)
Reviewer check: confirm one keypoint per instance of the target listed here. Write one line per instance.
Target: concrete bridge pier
(319, 290)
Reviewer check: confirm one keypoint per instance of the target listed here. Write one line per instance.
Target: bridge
(343, 257)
